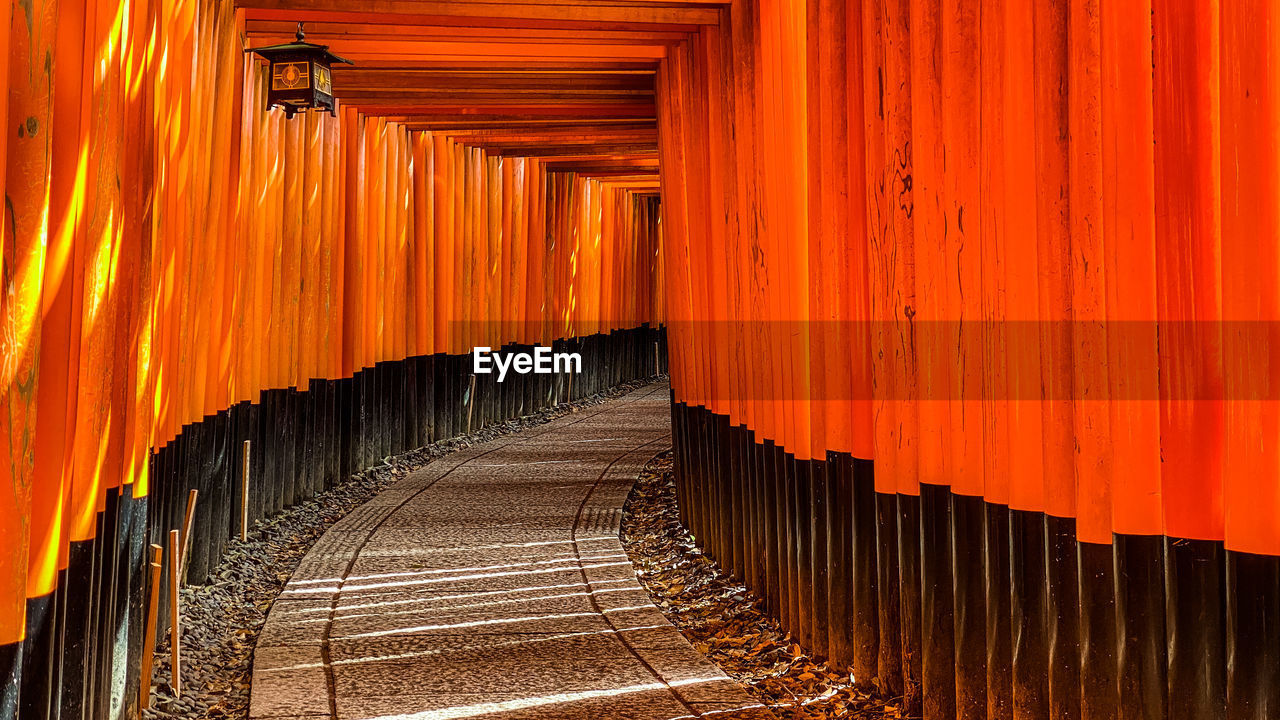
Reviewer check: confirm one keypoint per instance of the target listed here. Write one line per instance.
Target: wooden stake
(149, 636)
(244, 495)
(471, 402)
(187, 521)
(175, 619)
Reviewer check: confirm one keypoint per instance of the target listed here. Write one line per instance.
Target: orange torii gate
(969, 306)
(186, 270)
(1019, 255)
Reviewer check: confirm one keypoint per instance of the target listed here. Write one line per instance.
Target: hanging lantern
(298, 75)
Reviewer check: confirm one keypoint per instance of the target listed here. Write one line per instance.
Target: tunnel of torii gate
(969, 309)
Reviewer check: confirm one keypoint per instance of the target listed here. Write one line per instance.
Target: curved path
(491, 584)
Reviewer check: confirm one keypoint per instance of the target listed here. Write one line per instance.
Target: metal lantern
(299, 75)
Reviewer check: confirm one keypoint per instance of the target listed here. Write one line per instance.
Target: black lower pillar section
(819, 543)
(1140, 608)
(971, 609)
(1195, 580)
(968, 538)
(133, 600)
(774, 576)
(999, 614)
(1029, 615)
(1099, 692)
(840, 542)
(936, 600)
(38, 677)
(784, 467)
(864, 580)
(344, 425)
(75, 655)
(103, 616)
(1253, 636)
(679, 420)
(1064, 619)
(11, 677)
(802, 548)
(751, 558)
(731, 496)
(905, 533)
(83, 642)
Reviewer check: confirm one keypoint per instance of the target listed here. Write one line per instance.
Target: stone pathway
(491, 584)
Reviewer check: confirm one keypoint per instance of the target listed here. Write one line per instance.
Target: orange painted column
(1053, 242)
(353, 254)
(1021, 264)
(1250, 102)
(1119, 478)
(536, 231)
(60, 325)
(423, 246)
(886, 184)
(1089, 276)
(928, 237)
(28, 156)
(1188, 211)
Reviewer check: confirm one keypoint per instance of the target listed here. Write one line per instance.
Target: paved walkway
(491, 584)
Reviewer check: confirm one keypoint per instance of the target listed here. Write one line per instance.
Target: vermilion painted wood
(560, 13)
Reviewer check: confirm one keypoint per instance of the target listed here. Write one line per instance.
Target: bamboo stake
(244, 495)
(175, 620)
(187, 521)
(149, 637)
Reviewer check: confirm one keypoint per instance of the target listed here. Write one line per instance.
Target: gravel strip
(221, 620)
(725, 621)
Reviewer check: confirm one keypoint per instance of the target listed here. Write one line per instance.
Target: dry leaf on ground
(724, 621)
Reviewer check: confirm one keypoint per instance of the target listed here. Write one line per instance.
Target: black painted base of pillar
(80, 659)
(971, 609)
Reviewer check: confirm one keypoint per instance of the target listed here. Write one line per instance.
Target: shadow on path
(492, 584)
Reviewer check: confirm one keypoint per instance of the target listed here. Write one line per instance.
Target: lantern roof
(299, 47)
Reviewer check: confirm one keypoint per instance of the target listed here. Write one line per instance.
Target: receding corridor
(492, 583)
